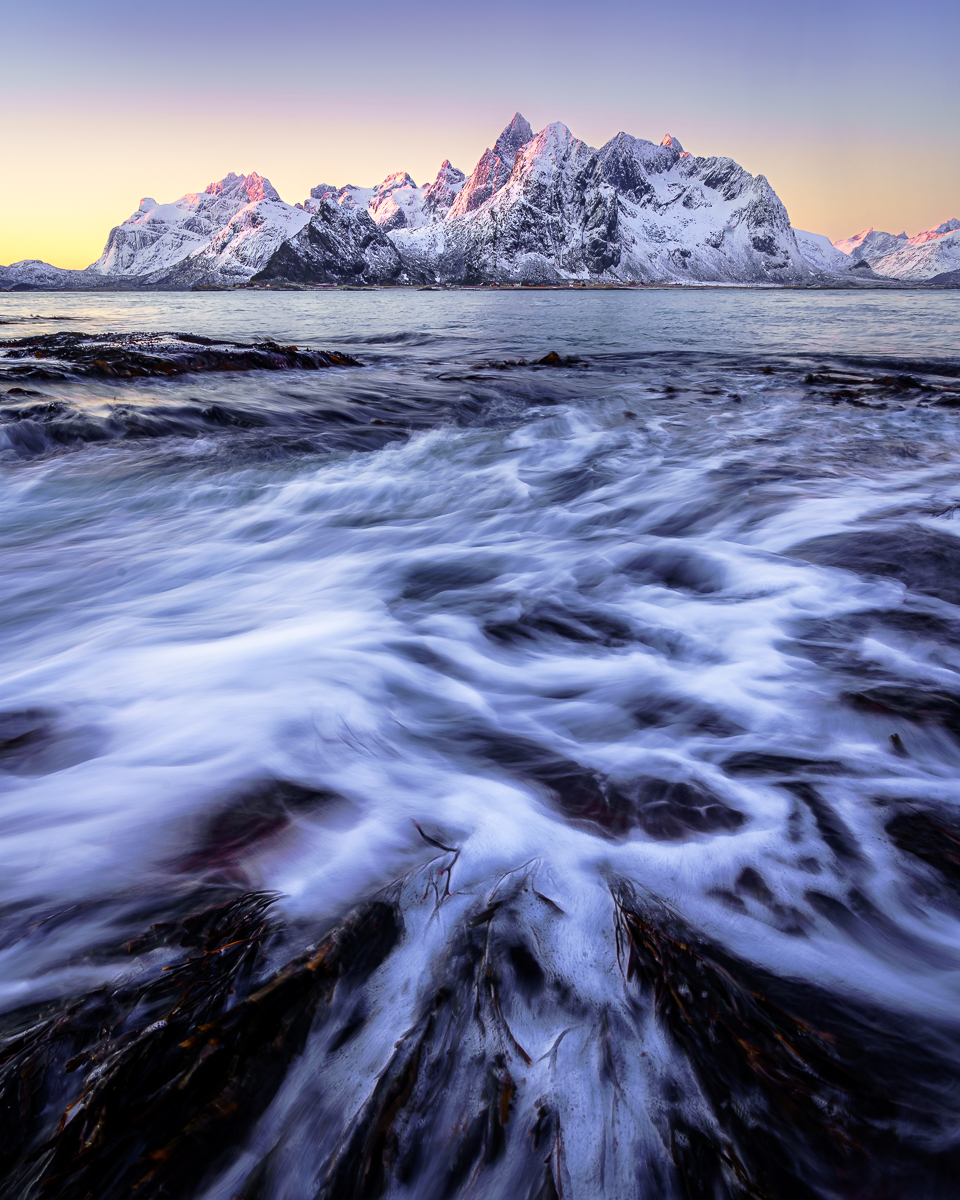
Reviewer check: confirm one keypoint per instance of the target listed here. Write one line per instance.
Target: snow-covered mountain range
(925, 256)
(537, 208)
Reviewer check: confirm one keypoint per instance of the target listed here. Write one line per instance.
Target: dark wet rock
(553, 359)
(581, 625)
(683, 714)
(925, 560)
(18, 392)
(919, 705)
(170, 1074)
(662, 809)
(673, 811)
(24, 733)
(900, 620)
(750, 762)
(677, 568)
(836, 643)
(832, 828)
(249, 821)
(930, 838)
(427, 580)
(751, 883)
(132, 355)
(580, 792)
(565, 486)
(808, 1095)
(862, 922)
(449, 1114)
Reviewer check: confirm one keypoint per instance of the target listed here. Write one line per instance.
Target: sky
(851, 109)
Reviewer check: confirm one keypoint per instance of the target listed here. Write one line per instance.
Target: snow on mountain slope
(929, 235)
(629, 211)
(157, 236)
(397, 203)
(928, 253)
(870, 243)
(439, 196)
(242, 248)
(32, 273)
(822, 254)
(917, 261)
(536, 208)
(336, 244)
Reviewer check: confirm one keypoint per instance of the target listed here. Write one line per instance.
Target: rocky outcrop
(439, 196)
(336, 245)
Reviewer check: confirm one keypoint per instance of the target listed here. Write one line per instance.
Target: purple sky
(850, 109)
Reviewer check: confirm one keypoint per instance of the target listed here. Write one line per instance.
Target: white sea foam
(379, 624)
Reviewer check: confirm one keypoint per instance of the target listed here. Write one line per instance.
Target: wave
(559, 801)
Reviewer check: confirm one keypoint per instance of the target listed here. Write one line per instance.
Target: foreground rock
(127, 355)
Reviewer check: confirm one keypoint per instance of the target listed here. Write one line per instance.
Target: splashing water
(469, 777)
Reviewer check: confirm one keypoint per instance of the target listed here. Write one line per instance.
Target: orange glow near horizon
(834, 189)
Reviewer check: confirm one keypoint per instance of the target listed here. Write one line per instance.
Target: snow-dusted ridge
(926, 255)
(537, 208)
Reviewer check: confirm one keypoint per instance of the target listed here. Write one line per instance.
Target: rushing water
(626, 690)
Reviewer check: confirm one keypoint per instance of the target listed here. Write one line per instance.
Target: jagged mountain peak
(546, 152)
(516, 134)
(870, 242)
(398, 179)
(449, 171)
(441, 194)
(493, 169)
(255, 187)
(929, 235)
(674, 144)
(555, 133)
(536, 208)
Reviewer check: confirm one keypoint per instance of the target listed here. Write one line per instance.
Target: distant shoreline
(574, 286)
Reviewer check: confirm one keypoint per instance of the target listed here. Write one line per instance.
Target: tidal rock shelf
(138, 355)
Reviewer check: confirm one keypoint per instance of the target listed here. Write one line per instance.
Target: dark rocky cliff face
(337, 246)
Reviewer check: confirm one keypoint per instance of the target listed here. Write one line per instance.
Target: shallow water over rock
(457, 776)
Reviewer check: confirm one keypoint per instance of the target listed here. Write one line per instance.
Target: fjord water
(539, 651)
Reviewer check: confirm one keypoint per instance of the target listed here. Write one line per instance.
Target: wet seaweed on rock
(812, 1095)
(444, 1117)
(133, 355)
(175, 1071)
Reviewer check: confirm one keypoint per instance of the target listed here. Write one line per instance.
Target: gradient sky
(851, 109)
